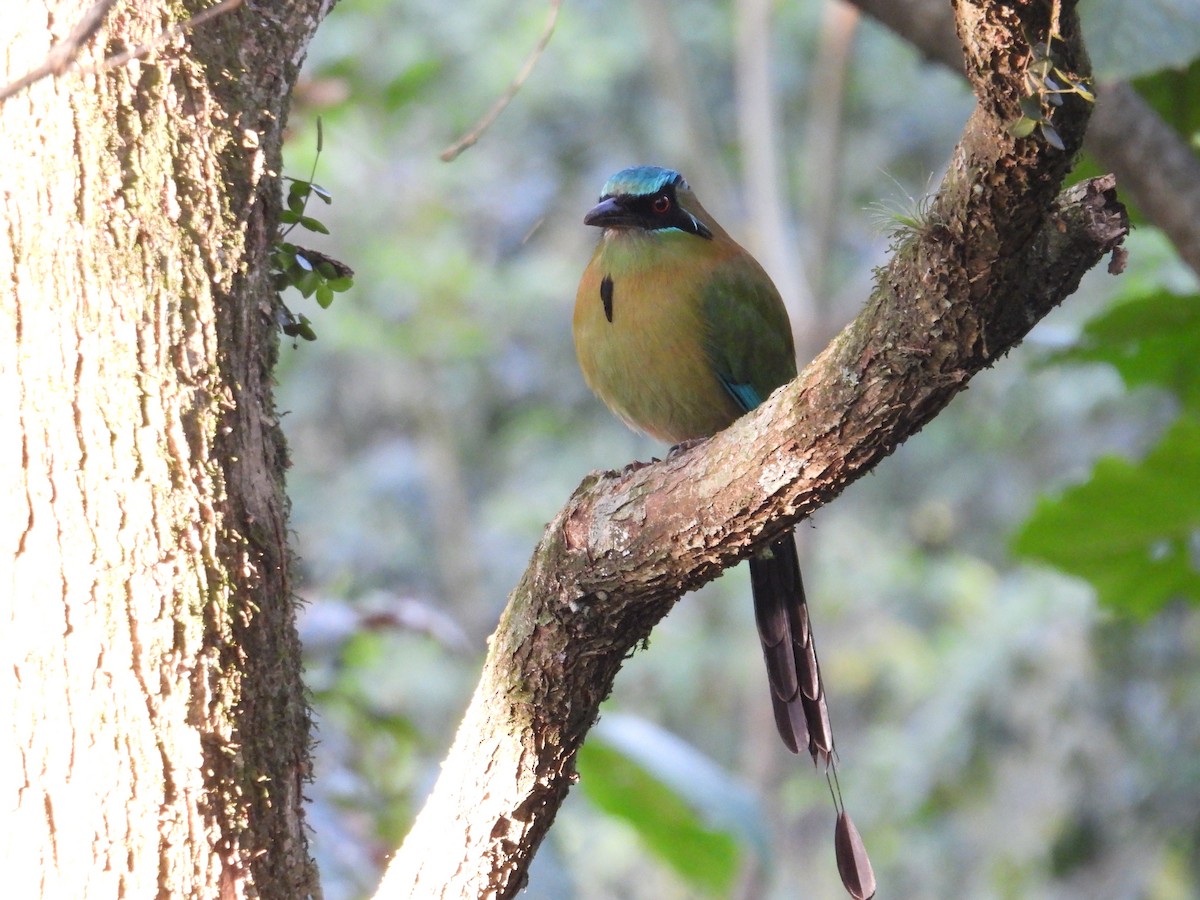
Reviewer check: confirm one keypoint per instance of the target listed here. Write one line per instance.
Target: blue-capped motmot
(680, 331)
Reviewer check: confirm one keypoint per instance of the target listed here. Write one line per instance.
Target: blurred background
(1006, 609)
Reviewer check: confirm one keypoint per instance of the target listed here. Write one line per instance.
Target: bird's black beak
(609, 213)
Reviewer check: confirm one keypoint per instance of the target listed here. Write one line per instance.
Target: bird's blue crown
(641, 181)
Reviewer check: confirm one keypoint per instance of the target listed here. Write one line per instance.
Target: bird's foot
(638, 464)
(685, 446)
(681, 447)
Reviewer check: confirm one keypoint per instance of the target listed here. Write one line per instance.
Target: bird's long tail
(797, 691)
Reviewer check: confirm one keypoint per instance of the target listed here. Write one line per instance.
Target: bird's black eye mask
(659, 211)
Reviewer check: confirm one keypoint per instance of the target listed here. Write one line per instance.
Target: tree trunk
(157, 728)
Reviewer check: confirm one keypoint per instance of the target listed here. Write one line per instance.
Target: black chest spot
(606, 296)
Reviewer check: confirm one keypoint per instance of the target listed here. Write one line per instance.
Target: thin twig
(62, 54)
(61, 58)
(166, 35)
(467, 140)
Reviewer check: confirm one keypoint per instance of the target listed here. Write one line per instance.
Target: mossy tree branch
(1000, 249)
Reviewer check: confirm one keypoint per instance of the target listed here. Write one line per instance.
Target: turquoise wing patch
(743, 394)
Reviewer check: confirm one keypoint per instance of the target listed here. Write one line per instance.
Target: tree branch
(168, 34)
(472, 137)
(999, 251)
(1125, 135)
(1124, 132)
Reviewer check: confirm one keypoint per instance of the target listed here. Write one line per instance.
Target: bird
(680, 332)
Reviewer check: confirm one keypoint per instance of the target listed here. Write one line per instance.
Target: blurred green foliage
(1133, 528)
(704, 857)
(1151, 339)
(1000, 734)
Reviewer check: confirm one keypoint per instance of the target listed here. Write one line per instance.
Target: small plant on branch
(1047, 81)
(308, 271)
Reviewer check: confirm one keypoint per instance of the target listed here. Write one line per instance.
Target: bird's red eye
(661, 204)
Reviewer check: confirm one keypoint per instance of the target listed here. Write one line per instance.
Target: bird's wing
(749, 339)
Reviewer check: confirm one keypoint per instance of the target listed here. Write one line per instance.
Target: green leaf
(307, 283)
(300, 328)
(687, 810)
(313, 225)
(1031, 107)
(1042, 63)
(341, 284)
(305, 330)
(1132, 529)
(1023, 127)
(288, 216)
(324, 296)
(1084, 90)
(1050, 133)
(1153, 338)
(1127, 39)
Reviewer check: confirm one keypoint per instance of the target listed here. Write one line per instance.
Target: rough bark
(157, 731)
(998, 251)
